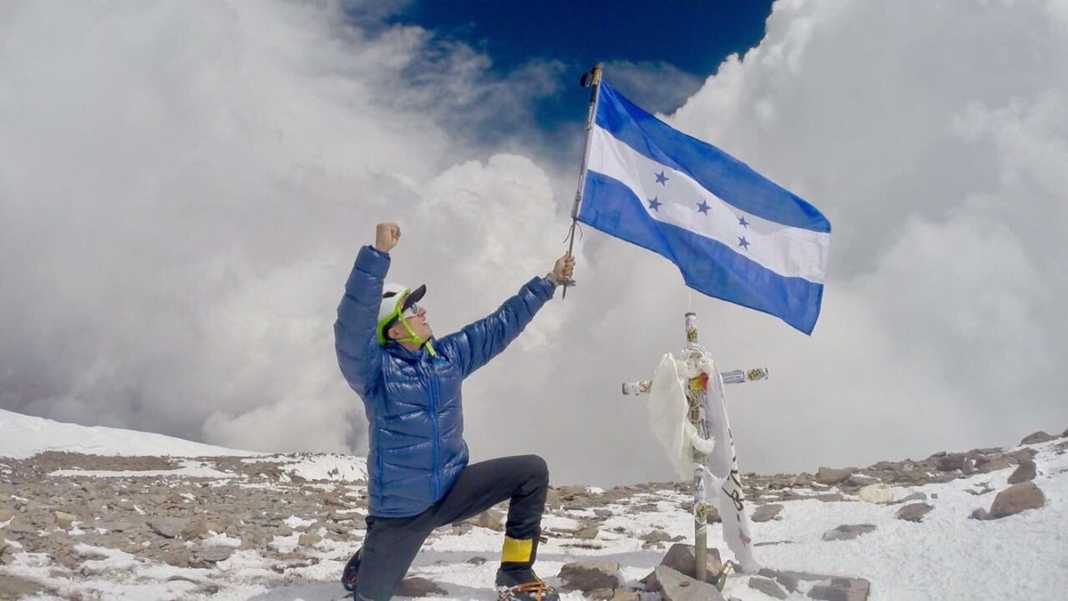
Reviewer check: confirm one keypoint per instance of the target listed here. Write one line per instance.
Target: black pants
(392, 543)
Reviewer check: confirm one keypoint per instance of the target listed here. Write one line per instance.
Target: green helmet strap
(412, 337)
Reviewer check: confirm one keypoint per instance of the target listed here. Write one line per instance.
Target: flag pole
(591, 78)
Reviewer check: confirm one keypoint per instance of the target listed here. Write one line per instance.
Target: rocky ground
(90, 527)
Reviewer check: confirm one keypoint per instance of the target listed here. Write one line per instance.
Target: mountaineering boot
(516, 580)
(348, 577)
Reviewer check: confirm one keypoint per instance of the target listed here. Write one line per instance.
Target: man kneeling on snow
(418, 475)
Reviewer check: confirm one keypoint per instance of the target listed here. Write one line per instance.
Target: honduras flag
(733, 234)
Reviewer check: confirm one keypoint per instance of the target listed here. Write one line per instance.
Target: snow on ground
(340, 468)
(23, 436)
(947, 556)
(189, 469)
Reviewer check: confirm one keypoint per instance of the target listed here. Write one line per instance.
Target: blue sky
(683, 40)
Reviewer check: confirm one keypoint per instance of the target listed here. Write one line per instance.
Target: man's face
(416, 321)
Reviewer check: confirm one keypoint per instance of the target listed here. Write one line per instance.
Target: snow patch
(295, 522)
(23, 436)
(189, 469)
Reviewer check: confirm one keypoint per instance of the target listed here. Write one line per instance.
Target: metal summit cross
(690, 419)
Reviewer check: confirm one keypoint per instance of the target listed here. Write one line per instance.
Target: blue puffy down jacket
(412, 399)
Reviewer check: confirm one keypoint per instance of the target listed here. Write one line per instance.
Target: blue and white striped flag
(733, 234)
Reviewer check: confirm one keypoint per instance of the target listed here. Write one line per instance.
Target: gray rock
(913, 512)
(622, 595)
(309, 539)
(768, 587)
(848, 531)
(552, 499)
(766, 512)
(492, 519)
(64, 519)
(17, 587)
(589, 533)
(6, 515)
(419, 587)
(654, 537)
(1017, 498)
(829, 476)
(166, 527)
(841, 589)
(214, 554)
(833, 497)
(954, 461)
(790, 580)
(179, 557)
(590, 575)
(916, 496)
(676, 586)
(1020, 455)
(1037, 437)
(680, 557)
(859, 479)
(1025, 472)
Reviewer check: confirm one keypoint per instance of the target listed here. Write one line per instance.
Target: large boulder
(590, 575)
(1025, 472)
(1017, 498)
(676, 586)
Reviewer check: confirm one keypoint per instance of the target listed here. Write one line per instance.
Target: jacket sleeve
(358, 352)
(484, 339)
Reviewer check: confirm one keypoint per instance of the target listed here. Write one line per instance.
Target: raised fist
(386, 236)
(563, 270)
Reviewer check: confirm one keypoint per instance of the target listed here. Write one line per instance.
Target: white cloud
(938, 157)
(183, 188)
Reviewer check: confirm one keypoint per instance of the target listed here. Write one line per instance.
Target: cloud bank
(183, 187)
